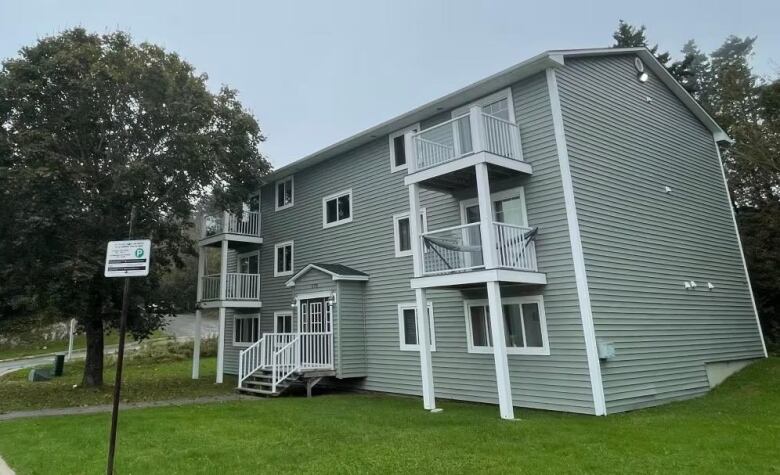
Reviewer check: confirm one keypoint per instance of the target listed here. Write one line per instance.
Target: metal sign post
(124, 259)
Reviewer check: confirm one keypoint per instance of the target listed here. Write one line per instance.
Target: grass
(732, 430)
(144, 379)
(44, 347)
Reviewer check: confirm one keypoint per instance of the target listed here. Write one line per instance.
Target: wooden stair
(260, 382)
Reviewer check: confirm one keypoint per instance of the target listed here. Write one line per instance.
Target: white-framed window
(398, 148)
(283, 258)
(508, 207)
(499, 104)
(525, 326)
(337, 209)
(284, 193)
(402, 232)
(248, 262)
(283, 322)
(246, 329)
(407, 326)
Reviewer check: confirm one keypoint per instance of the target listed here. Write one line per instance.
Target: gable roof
(500, 80)
(336, 271)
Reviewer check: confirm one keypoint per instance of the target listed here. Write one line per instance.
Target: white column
(423, 338)
(499, 351)
(71, 333)
(196, 346)
(411, 152)
(201, 271)
(477, 129)
(486, 228)
(221, 346)
(223, 270)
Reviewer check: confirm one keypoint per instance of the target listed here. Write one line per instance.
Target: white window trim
(235, 333)
(496, 96)
(292, 258)
(397, 236)
(413, 306)
(325, 223)
(248, 254)
(286, 313)
(497, 196)
(393, 167)
(291, 179)
(544, 350)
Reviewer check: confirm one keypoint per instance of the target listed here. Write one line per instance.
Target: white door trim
(578, 257)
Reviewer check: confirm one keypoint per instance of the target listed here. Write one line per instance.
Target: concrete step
(258, 391)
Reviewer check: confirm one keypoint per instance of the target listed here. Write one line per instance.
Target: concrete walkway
(5, 469)
(75, 411)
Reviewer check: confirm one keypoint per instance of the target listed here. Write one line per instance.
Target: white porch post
(196, 346)
(423, 338)
(223, 270)
(499, 351)
(476, 124)
(221, 346)
(486, 228)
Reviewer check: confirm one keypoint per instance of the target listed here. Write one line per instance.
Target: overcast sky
(314, 73)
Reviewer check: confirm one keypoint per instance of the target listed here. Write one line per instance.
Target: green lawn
(145, 379)
(45, 347)
(733, 430)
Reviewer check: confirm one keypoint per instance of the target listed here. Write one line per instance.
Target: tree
(92, 125)
(629, 36)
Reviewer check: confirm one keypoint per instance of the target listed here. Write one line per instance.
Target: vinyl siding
(626, 142)
(350, 331)
(559, 381)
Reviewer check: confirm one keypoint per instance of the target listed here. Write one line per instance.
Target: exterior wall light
(640, 69)
(643, 77)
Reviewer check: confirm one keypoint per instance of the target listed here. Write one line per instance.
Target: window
(284, 193)
(283, 322)
(508, 207)
(246, 329)
(337, 209)
(283, 261)
(525, 327)
(249, 263)
(407, 326)
(402, 232)
(398, 148)
(498, 105)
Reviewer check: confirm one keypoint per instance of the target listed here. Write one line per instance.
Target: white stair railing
(285, 362)
(251, 359)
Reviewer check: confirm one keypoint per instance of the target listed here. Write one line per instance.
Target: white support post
(486, 228)
(225, 222)
(499, 351)
(423, 341)
(223, 270)
(423, 332)
(415, 230)
(411, 152)
(196, 345)
(70, 337)
(221, 346)
(201, 272)
(476, 123)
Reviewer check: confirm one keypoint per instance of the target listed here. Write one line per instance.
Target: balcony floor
(470, 278)
(459, 173)
(216, 239)
(230, 304)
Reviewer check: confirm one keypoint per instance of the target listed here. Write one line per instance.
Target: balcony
(443, 156)
(241, 290)
(455, 256)
(225, 225)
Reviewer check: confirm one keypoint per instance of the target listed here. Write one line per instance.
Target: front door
(316, 333)
(315, 316)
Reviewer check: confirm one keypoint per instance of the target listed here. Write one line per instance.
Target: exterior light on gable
(640, 69)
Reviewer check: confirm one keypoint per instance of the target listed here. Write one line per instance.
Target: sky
(314, 73)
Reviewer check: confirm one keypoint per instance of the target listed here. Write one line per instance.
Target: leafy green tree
(629, 36)
(89, 126)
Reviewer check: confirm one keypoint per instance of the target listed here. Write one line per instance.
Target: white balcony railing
(248, 223)
(460, 249)
(464, 135)
(516, 247)
(237, 287)
(454, 249)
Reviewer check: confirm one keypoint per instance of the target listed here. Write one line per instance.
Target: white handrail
(251, 359)
(516, 250)
(285, 362)
(225, 222)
